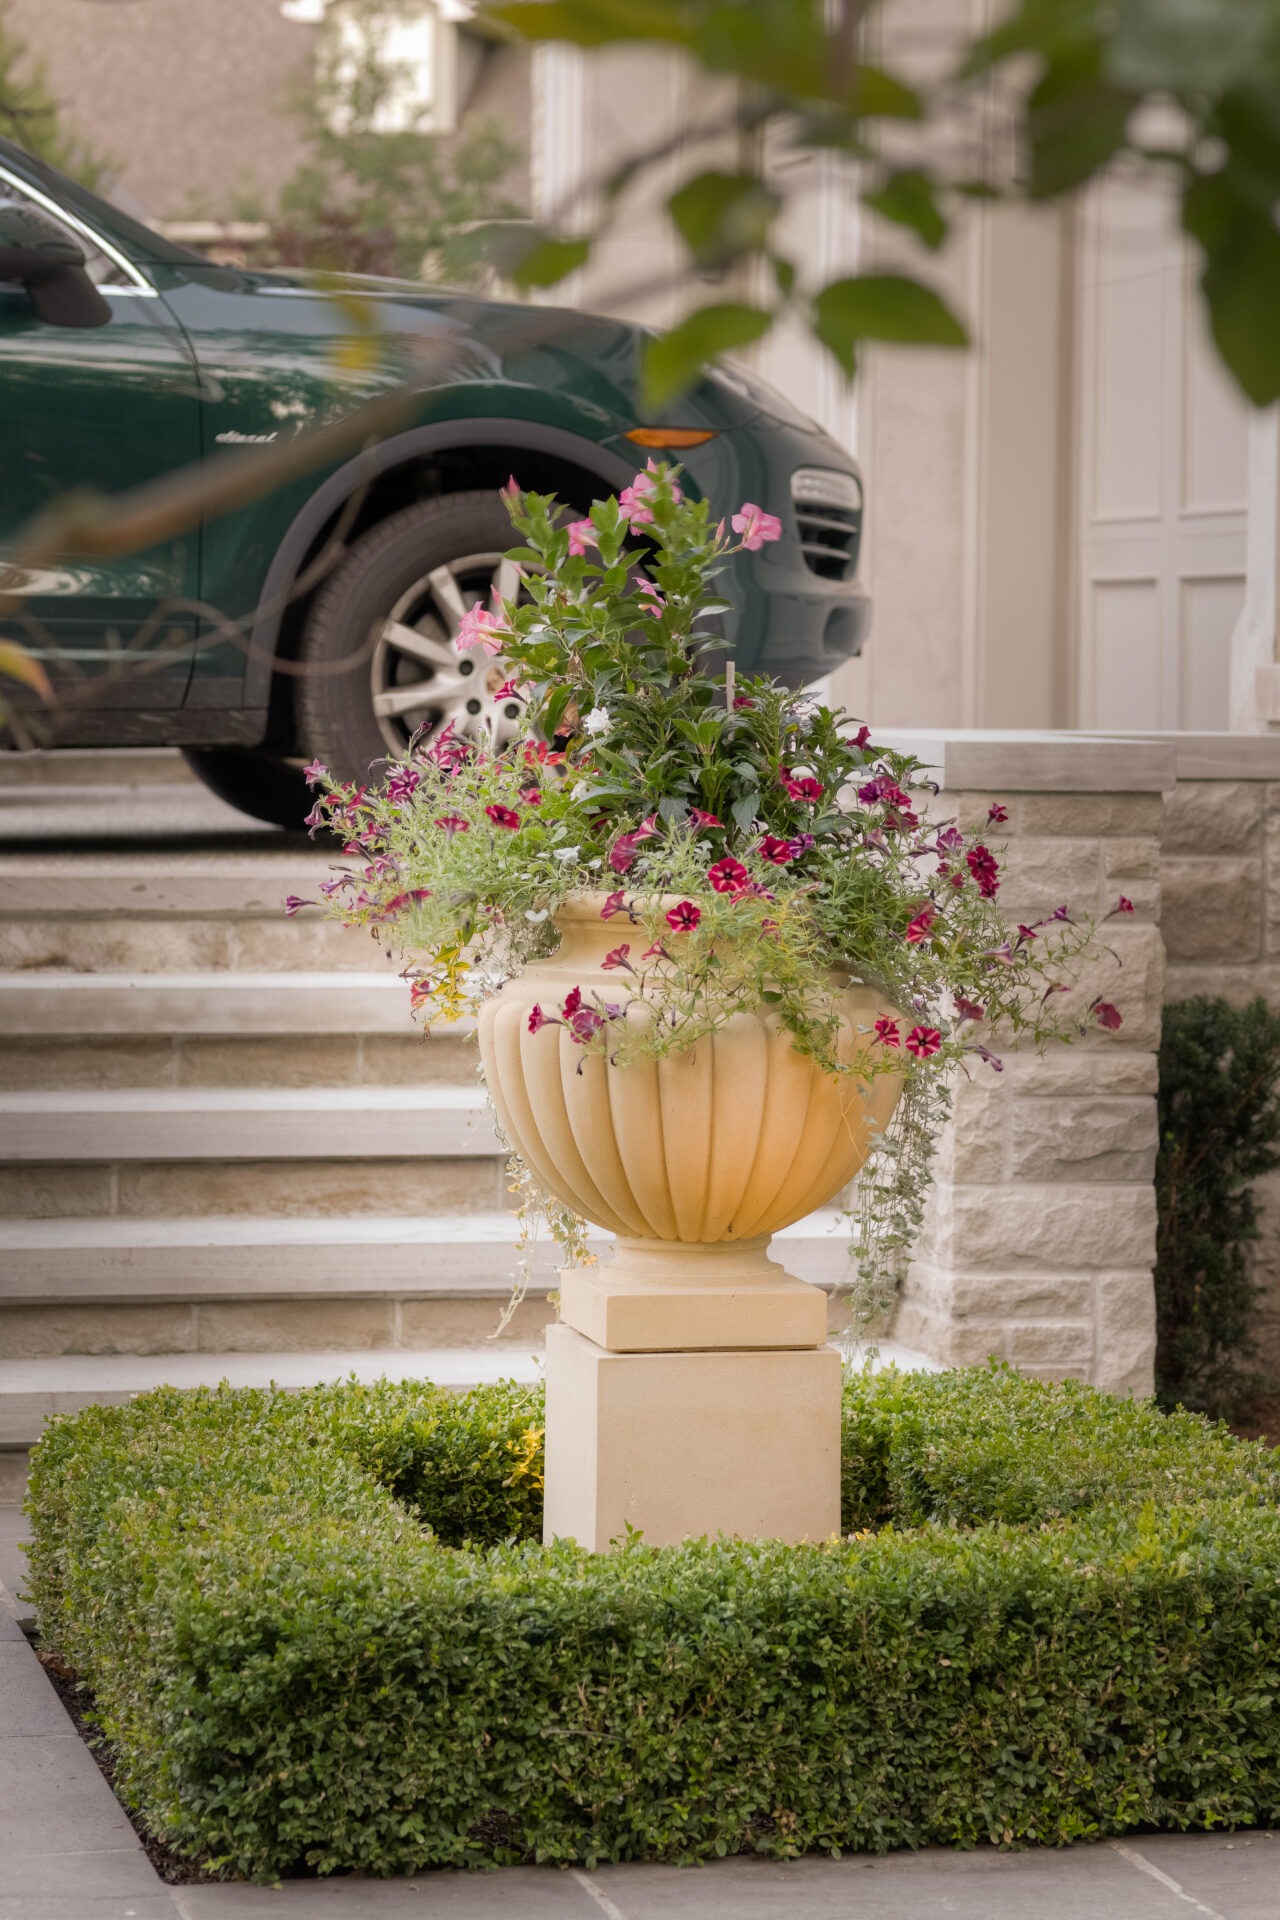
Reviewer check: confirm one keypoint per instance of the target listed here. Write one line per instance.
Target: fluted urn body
(728, 1141)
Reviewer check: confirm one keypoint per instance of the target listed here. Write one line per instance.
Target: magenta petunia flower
(776, 852)
(403, 784)
(983, 866)
(968, 1010)
(657, 951)
(923, 1041)
(996, 812)
(315, 771)
(294, 905)
(801, 843)
(756, 526)
(532, 796)
(538, 1019)
(918, 928)
(682, 918)
(742, 700)
(581, 536)
(503, 817)
(887, 1033)
(728, 875)
(1123, 905)
(1106, 1015)
(572, 1001)
(624, 852)
(1025, 933)
(803, 788)
(585, 1024)
(701, 818)
(861, 737)
(950, 840)
(617, 957)
(614, 903)
(316, 816)
(453, 823)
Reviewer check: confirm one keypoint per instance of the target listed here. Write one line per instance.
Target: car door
(102, 409)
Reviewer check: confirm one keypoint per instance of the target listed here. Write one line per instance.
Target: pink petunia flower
(683, 917)
(968, 1010)
(742, 700)
(921, 922)
(581, 536)
(314, 772)
(657, 951)
(756, 526)
(294, 905)
(634, 500)
(453, 823)
(615, 903)
(572, 1001)
(923, 1041)
(657, 605)
(316, 817)
(803, 788)
(617, 957)
(585, 1024)
(707, 821)
(503, 817)
(1106, 1015)
(480, 629)
(887, 1033)
(727, 875)
(532, 796)
(538, 1019)
(861, 737)
(997, 812)
(777, 852)
(950, 840)
(1123, 905)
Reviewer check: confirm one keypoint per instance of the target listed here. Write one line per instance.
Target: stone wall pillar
(1039, 1242)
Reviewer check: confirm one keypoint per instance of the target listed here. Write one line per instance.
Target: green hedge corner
(323, 1636)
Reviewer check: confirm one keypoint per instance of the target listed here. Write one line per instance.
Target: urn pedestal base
(679, 1444)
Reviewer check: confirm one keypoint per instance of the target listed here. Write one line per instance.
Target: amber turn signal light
(671, 436)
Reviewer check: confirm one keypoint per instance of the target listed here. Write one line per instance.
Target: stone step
(252, 1124)
(33, 1391)
(68, 1006)
(101, 1260)
(74, 767)
(79, 886)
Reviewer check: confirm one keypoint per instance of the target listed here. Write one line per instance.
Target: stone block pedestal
(681, 1444)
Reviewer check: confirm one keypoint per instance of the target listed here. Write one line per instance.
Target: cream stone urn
(690, 1389)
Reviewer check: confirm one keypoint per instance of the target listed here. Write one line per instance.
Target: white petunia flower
(597, 721)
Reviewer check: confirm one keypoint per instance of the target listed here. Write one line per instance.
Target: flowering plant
(753, 846)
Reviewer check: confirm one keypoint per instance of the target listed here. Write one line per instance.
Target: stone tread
(48, 1003)
(217, 1123)
(45, 1262)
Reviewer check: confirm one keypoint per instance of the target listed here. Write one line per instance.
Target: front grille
(828, 507)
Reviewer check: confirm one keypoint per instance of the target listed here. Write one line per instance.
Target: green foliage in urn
(753, 847)
(1055, 1617)
(1219, 1132)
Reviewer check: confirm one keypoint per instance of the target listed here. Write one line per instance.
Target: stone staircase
(225, 1150)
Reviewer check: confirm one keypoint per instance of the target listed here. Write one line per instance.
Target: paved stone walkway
(67, 1852)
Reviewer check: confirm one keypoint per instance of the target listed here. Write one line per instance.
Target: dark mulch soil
(1262, 1421)
(78, 1701)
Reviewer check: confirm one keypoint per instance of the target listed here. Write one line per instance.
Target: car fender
(415, 443)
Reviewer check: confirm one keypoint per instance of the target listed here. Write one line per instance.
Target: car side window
(100, 267)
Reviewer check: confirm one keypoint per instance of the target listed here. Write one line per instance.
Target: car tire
(258, 783)
(347, 663)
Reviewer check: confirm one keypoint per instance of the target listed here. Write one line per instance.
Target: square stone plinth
(615, 1310)
(682, 1444)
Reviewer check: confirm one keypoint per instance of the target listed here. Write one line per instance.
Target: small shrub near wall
(1057, 1616)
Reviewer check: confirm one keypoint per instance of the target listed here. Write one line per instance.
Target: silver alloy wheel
(419, 680)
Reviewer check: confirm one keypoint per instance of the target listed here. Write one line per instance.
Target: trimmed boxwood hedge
(1056, 1615)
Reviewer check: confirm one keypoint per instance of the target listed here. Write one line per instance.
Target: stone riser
(186, 944)
(307, 1325)
(52, 1004)
(404, 1059)
(284, 1188)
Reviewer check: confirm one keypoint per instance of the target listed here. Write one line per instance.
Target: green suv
(316, 619)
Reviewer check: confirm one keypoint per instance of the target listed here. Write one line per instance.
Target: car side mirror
(36, 253)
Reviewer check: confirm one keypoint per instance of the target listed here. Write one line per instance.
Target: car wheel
(258, 783)
(378, 655)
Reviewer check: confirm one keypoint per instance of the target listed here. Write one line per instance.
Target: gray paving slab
(512, 1893)
(30, 1704)
(1233, 1874)
(54, 1800)
(111, 1872)
(87, 1906)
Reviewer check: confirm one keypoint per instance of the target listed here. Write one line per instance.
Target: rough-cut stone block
(1212, 817)
(45, 1066)
(1083, 1140)
(28, 1333)
(1126, 968)
(94, 946)
(269, 946)
(1132, 859)
(971, 1151)
(1037, 1343)
(55, 1193)
(1237, 985)
(290, 1188)
(292, 1326)
(1043, 874)
(1212, 909)
(444, 1060)
(1057, 1227)
(1125, 1333)
(469, 1323)
(314, 1061)
(994, 1296)
(1084, 1071)
(1098, 814)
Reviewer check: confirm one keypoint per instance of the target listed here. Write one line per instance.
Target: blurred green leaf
(1241, 281)
(673, 361)
(908, 198)
(882, 306)
(721, 216)
(549, 260)
(17, 664)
